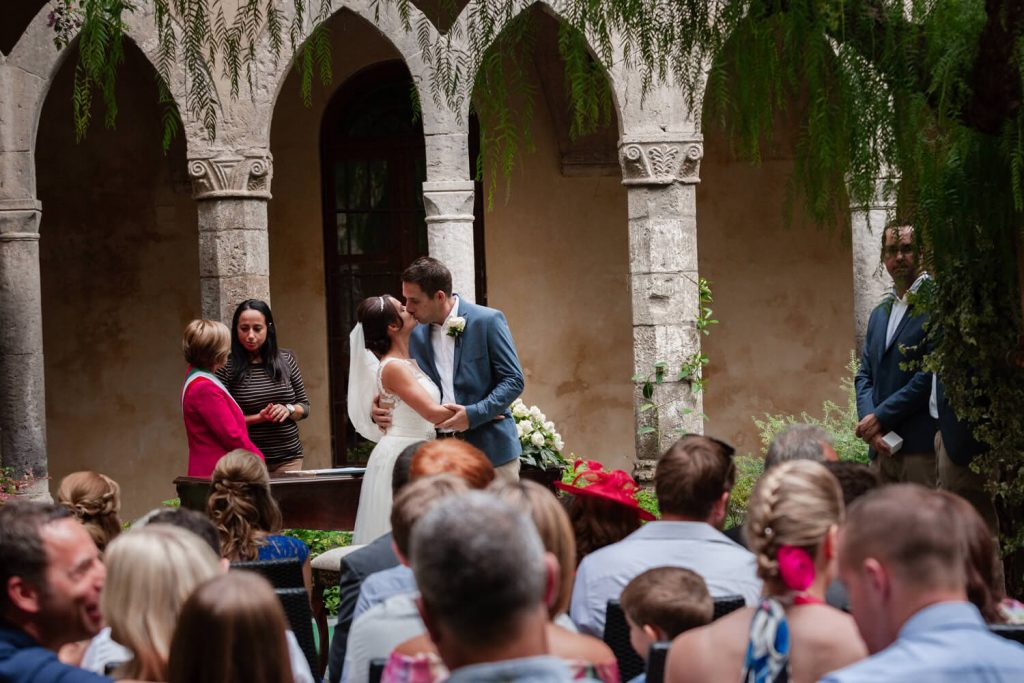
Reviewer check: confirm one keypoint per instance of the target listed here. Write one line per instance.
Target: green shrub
(748, 470)
(320, 542)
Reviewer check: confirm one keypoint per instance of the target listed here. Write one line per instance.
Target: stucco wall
(783, 296)
(120, 278)
(557, 265)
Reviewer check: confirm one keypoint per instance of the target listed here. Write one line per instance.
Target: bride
(385, 369)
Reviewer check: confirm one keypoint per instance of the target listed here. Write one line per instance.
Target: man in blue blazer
(468, 352)
(892, 389)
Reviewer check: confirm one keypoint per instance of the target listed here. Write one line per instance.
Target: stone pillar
(660, 172)
(870, 281)
(232, 190)
(22, 387)
(449, 209)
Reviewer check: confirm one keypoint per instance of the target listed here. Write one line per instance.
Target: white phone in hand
(894, 441)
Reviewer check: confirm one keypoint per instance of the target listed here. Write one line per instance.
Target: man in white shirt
(692, 482)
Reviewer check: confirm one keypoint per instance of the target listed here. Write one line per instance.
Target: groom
(468, 352)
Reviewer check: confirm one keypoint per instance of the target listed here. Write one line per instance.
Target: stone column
(449, 209)
(22, 387)
(870, 281)
(660, 172)
(232, 190)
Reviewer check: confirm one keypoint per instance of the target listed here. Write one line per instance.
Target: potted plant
(541, 459)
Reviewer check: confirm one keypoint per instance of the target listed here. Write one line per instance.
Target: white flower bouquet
(542, 445)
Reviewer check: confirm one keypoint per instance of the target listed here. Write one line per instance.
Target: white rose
(526, 425)
(537, 439)
(457, 324)
(536, 414)
(549, 426)
(520, 410)
(559, 444)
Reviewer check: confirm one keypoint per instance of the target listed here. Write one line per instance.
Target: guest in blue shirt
(52, 578)
(902, 560)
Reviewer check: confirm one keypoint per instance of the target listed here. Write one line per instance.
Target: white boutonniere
(454, 327)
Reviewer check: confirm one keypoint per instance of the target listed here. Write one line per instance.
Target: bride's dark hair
(376, 314)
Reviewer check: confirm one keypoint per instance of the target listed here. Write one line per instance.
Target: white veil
(362, 385)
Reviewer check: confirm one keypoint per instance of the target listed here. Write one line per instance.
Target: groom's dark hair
(430, 275)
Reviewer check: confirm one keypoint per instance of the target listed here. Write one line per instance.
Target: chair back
(616, 636)
(656, 657)
(1013, 632)
(295, 602)
(377, 669)
(726, 604)
(286, 573)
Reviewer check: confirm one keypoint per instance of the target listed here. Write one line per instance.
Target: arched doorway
(373, 162)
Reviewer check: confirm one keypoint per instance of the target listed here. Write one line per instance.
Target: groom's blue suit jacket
(487, 378)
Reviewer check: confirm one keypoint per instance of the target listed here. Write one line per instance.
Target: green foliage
(749, 469)
(12, 485)
(171, 503)
(320, 542)
(645, 497)
(838, 421)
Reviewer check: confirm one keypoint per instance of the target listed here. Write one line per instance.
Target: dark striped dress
(279, 441)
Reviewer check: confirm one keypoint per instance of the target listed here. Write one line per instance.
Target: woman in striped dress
(267, 384)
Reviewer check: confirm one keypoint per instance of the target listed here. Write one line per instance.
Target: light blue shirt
(945, 643)
(727, 568)
(532, 669)
(380, 586)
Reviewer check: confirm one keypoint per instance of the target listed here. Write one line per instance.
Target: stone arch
(35, 55)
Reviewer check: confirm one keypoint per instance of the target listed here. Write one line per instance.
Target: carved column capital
(234, 175)
(447, 202)
(661, 159)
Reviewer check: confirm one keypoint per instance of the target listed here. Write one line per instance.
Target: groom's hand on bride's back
(381, 415)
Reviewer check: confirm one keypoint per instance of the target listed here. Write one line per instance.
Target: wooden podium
(325, 500)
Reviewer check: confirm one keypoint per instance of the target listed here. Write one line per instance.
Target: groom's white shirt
(444, 355)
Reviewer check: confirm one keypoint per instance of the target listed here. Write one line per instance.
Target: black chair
(295, 602)
(656, 657)
(377, 669)
(726, 604)
(1013, 632)
(286, 573)
(616, 636)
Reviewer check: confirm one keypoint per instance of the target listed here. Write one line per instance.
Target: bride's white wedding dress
(373, 517)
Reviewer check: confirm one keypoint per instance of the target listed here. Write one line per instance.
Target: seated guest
(855, 480)
(247, 516)
(905, 573)
(393, 617)
(52, 578)
(586, 656)
(214, 424)
(662, 603)
(797, 441)
(232, 628)
(453, 456)
(189, 520)
(359, 564)
(94, 499)
(485, 582)
(602, 508)
(792, 521)
(151, 571)
(692, 481)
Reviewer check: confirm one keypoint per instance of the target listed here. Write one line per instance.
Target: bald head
(911, 531)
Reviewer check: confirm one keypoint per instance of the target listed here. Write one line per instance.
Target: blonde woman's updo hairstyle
(206, 344)
(793, 504)
(240, 505)
(94, 499)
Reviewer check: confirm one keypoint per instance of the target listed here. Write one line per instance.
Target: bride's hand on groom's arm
(459, 421)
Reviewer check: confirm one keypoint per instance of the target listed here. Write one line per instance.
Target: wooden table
(318, 499)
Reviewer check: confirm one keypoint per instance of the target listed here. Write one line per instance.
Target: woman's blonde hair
(795, 503)
(206, 343)
(552, 522)
(240, 505)
(151, 571)
(95, 499)
(231, 629)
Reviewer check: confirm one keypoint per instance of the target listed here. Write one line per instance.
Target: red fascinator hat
(593, 480)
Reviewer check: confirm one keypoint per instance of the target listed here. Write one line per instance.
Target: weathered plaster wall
(119, 262)
(296, 223)
(557, 265)
(783, 296)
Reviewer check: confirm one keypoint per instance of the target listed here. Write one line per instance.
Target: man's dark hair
(692, 475)
(400, 474)
(430, 275)
(22, 552)
(190, 520)
(854, 479)
(895, 226)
